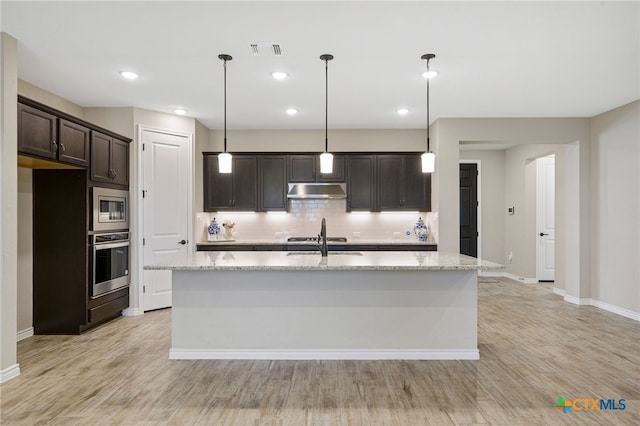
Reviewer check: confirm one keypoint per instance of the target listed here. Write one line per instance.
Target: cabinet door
(101, 157)
(415, 184)
(338, 170)
(218, 193)
(37, 132)
(244, 181)
(120, 162)
(302, 168)
(361, 183)
(273, 183)
(73, 146)
(390, 182)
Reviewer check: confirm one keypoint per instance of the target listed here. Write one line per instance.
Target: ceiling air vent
(262, 48)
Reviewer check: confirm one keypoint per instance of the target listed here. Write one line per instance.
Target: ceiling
(495, 59)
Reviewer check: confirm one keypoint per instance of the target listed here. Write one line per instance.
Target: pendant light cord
(225, 104)
(428, 121)
(326, 105)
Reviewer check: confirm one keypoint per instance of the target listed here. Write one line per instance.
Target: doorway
(545, 218)
(166, 208)
(469, 209)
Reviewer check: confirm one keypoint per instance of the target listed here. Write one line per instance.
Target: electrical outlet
(510, 256)
(355, 234)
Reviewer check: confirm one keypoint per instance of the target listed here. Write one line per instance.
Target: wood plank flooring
(533, 348)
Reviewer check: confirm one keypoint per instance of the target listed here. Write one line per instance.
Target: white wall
(615, 202)
(8, 209)
(492, 204)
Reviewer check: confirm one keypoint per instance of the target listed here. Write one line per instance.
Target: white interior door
(166, 208)
(545, 218)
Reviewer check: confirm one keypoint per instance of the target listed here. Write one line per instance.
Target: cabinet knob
(114, 173)
(182, 242)
(62, 148)
(55, 146)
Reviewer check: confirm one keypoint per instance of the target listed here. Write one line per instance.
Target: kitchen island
(348, 305)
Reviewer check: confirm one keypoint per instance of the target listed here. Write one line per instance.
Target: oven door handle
(104, 246)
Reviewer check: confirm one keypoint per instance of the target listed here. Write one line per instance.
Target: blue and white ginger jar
(214, 229)
(420, 230)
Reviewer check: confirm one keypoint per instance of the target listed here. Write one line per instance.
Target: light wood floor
(533, 348)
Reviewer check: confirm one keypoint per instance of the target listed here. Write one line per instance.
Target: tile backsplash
(304, 217)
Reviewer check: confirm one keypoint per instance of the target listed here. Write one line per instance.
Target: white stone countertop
(354, 241)
(313, 261)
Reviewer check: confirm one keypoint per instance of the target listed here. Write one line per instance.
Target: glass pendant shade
(224, 162)
(428, 162)
(326, 163)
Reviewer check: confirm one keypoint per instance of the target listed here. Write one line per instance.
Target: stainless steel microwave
(110, 209)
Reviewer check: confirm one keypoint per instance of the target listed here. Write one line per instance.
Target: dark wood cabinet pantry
(68, 157)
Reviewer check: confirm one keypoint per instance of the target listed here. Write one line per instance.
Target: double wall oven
(109, 253)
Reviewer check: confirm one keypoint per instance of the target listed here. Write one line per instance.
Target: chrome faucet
(322, 239)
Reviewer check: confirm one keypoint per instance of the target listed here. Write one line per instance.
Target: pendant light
(428, 158)
(224, 158)
(326, 159)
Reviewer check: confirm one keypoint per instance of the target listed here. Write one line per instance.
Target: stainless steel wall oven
(109, 256)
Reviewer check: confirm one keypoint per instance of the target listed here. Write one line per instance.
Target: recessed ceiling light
(402, 111)
(180, 111)
(129, 75)
(430, 74)
(292, 111)
(279, 75)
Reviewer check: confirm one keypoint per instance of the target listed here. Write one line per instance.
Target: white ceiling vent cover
(263, 48)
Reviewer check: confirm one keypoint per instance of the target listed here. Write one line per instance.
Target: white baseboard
(326, 354)
(577, 300)
(627, 313)
(519, 278)
(9, 373)
(24, 334)
(490, 273)
(616, 310)
(132, 312)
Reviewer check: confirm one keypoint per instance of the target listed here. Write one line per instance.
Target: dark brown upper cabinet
(272, 181)
(47, 133)
(109, 159)
(401, 183)
(306, 168)
(43, 134)
(74, 143)
(302, 168)
(230, 191)
(361, 182)
(37, 132)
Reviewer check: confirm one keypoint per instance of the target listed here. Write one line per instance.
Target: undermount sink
(331, 253)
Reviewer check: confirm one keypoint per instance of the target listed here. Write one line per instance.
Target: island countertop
(313, 261)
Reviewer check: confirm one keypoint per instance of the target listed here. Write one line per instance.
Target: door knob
(183, 242)
(542, 234)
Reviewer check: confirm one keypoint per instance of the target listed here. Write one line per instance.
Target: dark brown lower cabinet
(61, 303)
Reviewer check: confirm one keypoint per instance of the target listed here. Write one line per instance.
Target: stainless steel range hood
(317, 190)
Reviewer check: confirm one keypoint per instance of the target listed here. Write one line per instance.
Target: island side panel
(324, 315)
